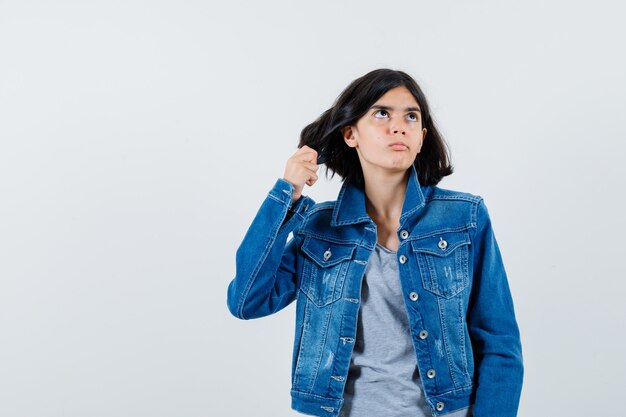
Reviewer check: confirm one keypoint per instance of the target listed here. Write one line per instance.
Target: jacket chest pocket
(443, 260)
(324, 270)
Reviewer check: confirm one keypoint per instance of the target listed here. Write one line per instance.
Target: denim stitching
(353, 221)
(337, 204)
(468, 198)
(452, 391)
(437, 232)
(320, 354)
(310, 394)
(257, 268)
(444, 333)
(347, 248)
(340, 272)
(273, 197)
(305, 330)
(405, 215)
(462, 271)
(446, 340)
(460, 276)
(436, 253)
(331, 239)
(338, 378)
(461, 327)
(325, 205)
(474, 212)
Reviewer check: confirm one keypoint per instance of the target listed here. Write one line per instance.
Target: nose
(396, 127)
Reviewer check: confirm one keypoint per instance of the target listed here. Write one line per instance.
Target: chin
(401, 165)
(398, 168)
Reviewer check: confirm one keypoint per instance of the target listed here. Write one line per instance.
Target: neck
(385, 195)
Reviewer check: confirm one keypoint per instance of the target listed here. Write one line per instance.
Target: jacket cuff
(283, 191)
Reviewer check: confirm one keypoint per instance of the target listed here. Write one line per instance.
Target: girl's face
(390, 134)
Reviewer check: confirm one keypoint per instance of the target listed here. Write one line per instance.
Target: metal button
(327, 254)
(442, 244)
(404, 234)
(423, 334)
(402, 259)
(431, 373)
(413, 296)
(439, 406)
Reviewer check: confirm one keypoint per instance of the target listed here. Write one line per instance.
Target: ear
(348, 136)
(422, 141)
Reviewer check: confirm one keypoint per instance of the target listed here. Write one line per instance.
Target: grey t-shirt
(383, 379)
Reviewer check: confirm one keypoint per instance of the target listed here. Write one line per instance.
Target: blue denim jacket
(456, 294)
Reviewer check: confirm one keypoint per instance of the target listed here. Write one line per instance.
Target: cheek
(372, 136)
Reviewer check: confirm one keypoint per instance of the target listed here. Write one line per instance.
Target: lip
(398, 146)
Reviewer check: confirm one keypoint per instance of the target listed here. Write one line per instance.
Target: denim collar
(350, 205)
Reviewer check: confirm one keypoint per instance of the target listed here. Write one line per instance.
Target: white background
(138, 139)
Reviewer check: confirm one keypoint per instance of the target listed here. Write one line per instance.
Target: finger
(311, 166)
(308, 154)
(312, 178)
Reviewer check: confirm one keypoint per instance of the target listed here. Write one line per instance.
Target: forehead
(398, 98)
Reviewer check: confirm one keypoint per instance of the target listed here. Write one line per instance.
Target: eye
(381, 111)
(414, 115)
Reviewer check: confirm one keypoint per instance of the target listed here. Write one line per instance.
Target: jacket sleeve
(493, 328)
(265, 280)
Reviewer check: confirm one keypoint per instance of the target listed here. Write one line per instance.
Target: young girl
(403, 305)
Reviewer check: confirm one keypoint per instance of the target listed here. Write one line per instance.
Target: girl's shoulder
(434, 192)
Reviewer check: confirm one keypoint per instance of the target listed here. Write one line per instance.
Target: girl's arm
(493, 328)
(265, 280)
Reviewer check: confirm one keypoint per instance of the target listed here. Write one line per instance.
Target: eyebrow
(383, 107)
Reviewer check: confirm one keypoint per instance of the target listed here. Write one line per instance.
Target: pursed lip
(396, 145)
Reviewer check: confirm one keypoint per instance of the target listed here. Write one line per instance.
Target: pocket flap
(441, 244)
(326, 253)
